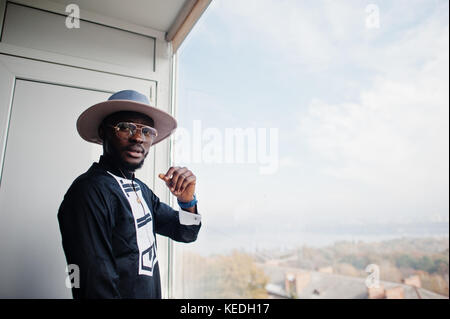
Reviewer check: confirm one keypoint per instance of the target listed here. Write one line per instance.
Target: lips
(134, 151)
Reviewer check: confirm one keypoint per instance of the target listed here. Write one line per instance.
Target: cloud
(314, 36)
(281, 27)
(380, 150)
(395, 136)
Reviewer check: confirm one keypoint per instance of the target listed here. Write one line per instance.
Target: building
(289, 282)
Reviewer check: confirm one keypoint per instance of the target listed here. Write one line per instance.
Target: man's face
(129, 151)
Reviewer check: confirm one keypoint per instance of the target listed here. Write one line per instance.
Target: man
(108, 218)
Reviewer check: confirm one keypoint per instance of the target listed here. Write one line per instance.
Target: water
(214, 241)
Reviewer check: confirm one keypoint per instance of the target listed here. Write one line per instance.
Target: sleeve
(86, 229)
(180, 226)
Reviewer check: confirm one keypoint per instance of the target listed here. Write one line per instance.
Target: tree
(226, 276)
(238, 277)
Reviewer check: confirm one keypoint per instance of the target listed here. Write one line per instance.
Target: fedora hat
(128, 100)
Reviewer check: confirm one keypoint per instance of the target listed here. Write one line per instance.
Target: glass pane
(318, 132)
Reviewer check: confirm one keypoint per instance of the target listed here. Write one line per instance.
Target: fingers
(170, 172)
(187, 181)
(168, 176)
(180, 181)
(175, 178)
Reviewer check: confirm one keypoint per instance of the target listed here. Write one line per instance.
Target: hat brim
(89, 121)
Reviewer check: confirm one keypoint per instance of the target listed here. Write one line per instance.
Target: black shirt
(108, 225)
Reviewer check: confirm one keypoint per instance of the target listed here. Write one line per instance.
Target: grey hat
(128, 100)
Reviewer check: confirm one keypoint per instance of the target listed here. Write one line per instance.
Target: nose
(138, 137)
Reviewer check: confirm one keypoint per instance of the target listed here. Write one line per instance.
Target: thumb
(162, 176)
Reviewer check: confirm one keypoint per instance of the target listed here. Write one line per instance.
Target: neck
(116, 167)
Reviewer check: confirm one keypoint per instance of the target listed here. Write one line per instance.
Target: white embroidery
(143, 223)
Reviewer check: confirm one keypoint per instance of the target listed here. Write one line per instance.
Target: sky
(356, 94)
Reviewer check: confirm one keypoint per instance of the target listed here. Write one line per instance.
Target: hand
(181, 183)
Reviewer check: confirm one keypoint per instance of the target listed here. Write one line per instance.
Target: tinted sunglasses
(127, 129)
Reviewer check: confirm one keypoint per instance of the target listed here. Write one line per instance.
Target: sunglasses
(127, 129)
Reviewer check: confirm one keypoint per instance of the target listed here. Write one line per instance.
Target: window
(318, 132)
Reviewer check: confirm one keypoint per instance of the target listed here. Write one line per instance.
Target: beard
(133, 167)
(115, 155)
